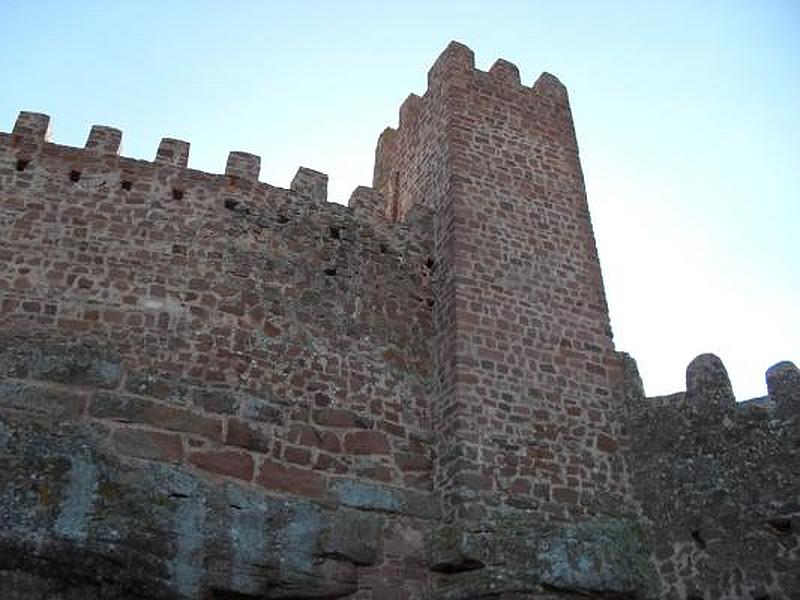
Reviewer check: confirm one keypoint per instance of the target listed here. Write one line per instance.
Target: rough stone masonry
(211, 387)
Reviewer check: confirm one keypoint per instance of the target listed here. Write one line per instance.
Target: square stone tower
(528, 379)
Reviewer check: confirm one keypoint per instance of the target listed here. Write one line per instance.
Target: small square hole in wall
(126, 185)
(22, 164)
(74, 176)
(177, 194)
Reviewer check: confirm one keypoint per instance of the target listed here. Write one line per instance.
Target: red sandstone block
(565, 495)
(271, 330)
(393, 429)
(303, 435)
(248, 435)
(606, 443)
(395, 359)
(366, 442)
(520, 486)
(326, 462)
(234, 309)
(329, 441)
(299, 456)
(339, 417)
(29, 306)
(379, 473)
(152, 445)
(274, 476)
(231, 463)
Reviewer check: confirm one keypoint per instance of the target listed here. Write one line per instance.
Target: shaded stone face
(133, 529)
(211, 387)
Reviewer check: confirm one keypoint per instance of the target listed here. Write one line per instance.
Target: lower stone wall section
(120, 484)
(77, 521)
(80, 520)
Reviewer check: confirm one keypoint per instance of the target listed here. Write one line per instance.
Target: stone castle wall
(231, 328)
(214, 387)
(200, 284)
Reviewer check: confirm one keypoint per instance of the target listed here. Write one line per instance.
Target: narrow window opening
(22, 164)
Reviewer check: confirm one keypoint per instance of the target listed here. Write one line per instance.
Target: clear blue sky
(687, 114)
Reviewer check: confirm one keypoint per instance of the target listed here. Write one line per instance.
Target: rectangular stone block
(54, 403)
(243, 165)
(292, 480)
(33, 126)
(173, 152)
(138, 410)
(104, 140)
(231, 463)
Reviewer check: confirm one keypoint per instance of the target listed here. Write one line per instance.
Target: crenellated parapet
(32, 134)
(403, 153)
(709, 390)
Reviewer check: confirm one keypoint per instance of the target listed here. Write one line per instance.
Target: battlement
(32, 133)
(709, 391)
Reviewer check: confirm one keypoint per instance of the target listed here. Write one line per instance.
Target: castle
(211, 387)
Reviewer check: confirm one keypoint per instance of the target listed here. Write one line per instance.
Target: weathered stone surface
(41, 400)
(720, 492)
(216, 388)
(152, 445)
(519, 554)
(707, 382)
(67, 363)
(368, 496)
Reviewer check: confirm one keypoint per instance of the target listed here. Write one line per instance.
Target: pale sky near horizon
(687, 116)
